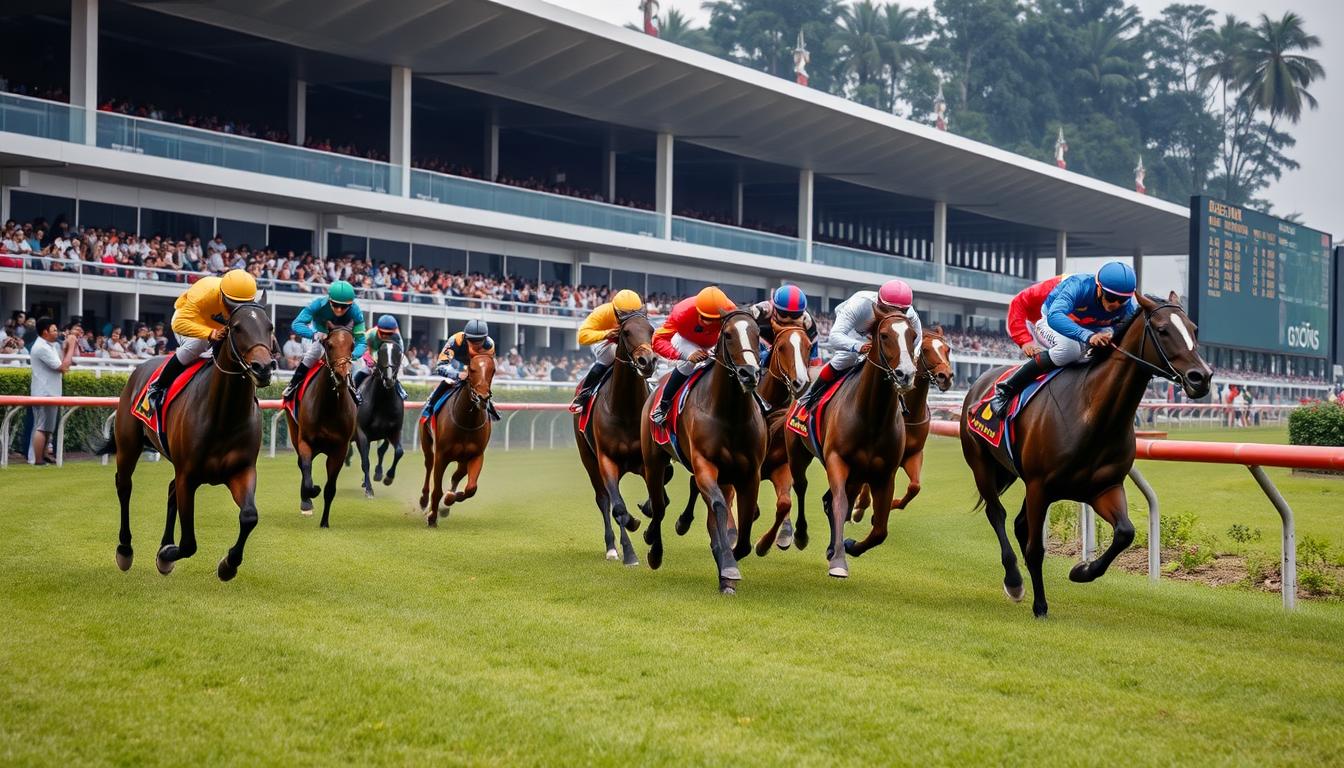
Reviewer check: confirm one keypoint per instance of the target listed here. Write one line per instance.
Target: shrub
(1258, 566)
(1312, 551)
(1319, 424)
(1193, 555)
(1178, 530)
(1242, 534)
(1063, 521)
(1316, 581)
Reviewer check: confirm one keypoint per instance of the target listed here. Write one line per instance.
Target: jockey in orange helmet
(687, 335)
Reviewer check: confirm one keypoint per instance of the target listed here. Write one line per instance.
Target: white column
(400, 145)
(805, 195)
(492, 145)
(609, 175)
(1138, 269)
(738, 188)
(298, 111)
(84, 69)
(1061, 252)
(940, 240)
(663, 183)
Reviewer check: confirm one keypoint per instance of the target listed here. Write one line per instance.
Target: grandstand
(501, 159)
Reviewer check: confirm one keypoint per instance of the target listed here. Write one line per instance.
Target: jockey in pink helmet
(853, 327)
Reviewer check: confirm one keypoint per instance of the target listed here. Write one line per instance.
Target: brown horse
(786, 376)
(326, 422)
(935, 366)
(1076, 440)
(863, 438)
(614, 426)
(214, 434)
(722, 433)
(460, 434)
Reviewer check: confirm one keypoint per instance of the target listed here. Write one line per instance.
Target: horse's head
(250, 341)
(480, 377)
(340, 348)
(388, 365)
(893, 348)
(636, 343)
(1174, 352)
(789, 356)
(739, 343)
(935, 358)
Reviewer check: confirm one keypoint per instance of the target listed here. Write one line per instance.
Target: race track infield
(504, 637)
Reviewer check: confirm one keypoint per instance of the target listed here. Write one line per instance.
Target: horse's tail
(103, 446)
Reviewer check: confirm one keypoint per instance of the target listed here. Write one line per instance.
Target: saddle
(292, 404)
(667, 433)
(999, 432)
(808, 423)
(154, 419)
(587, 415)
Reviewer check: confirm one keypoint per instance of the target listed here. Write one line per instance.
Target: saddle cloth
(154, 419)
(667, 433)
(993, 429)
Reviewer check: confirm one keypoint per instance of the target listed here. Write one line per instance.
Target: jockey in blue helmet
(1076, 316)
(387, 331)
(787, 305)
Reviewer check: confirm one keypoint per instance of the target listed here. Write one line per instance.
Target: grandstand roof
(537, 53)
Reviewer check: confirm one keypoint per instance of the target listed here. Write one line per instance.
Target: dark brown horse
(1076, 439)
(461, 433)
(935, 366)
(614, 426)
(326, 422)
(722, 432)
(214, 434)
(863, 438)
(786, 376)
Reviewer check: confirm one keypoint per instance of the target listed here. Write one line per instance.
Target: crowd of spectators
(975, 343)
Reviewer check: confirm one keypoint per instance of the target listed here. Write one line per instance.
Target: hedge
(1320, 424)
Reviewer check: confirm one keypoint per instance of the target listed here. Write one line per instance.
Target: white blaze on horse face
(907, 363)
(1185, 333)
(799, 366)
(748, 353)
(938, 347)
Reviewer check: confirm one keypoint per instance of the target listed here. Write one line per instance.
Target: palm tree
(1275, 79)
(1224, 49)
(1105, 67)
(859, 40)
(903, 45)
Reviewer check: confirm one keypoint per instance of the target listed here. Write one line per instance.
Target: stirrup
(659, 416)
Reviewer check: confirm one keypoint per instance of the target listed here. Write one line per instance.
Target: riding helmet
(896, 293)
(387, 323)
(712, 302)
(626, 301)
(341, 293)
(238, 286)
(476, 330)
(790, 299)
(1117, 277)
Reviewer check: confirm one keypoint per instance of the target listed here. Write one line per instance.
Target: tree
(903, 47)
(1177, 55)
(1106, 70)
(761, 34)
(858, 44)
(1276, 79)
(677, 28)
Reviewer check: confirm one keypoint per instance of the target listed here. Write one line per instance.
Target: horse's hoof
(655, 558)
(785, 538)
(1081, 573)
(682, 525)
(838, 572)
(124, 559)
(731, 574)
(800, 538)
(849, 548)
(387, 479)
(377, 475)
(612, 554)
(646, 509)
(857, 516)
(368, 493)
(630, 561)
(165, 566)
(226, 569)
(727, 589)
(444, 512)
(763, 547)
(432, 520)
(1015, 593)
(631, 523)
(1040, 611)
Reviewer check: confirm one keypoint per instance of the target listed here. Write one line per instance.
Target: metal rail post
(275, 426)
(107, 431)
(1154, 524)
(6, 435)
(1289, 558)
(507, 422)
(60, 436)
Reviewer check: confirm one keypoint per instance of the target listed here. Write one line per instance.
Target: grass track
(504, 638)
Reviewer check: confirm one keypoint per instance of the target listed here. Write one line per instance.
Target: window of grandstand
(347, 245)
(450, 260)
(124, 218)
(239, 232)
(169, 224)
(485, 263)
(285, 239)
(389, 251)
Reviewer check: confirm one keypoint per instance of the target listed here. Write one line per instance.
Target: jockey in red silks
(687, 336)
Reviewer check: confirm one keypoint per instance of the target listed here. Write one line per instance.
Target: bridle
(881, 361)
(779, 337)
(337, 381)
(385, 379)
(478, 401)
(927, 373)
(721, 355)
(629, 359)
(232, 344)
(1166, 370)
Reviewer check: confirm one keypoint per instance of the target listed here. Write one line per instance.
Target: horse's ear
(938, 329)
(1146, 303)
(1172, 298)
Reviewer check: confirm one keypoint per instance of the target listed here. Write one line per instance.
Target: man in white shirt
(50, 362)
(293, 351)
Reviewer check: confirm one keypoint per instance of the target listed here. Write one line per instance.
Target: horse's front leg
(1033, 551)
(243, 486)
(427, 448)
(748, 494)
(167, 547)
(780, 534)
(473, 473)
(1114, 509)
(837, 476)
(881, 512)
(335, 461)
(687, 517)
(308, 490)
(397, 453)
(362, 443)
(655, 467)
(707, 480)
(799, 459)
(914, 467)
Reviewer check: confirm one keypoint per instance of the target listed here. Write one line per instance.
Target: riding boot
(294, 378)
(674, 382)
(492, 410)
(1005, 390)
(585, 392)
(354, 393)
(159, 389)
(825, 378)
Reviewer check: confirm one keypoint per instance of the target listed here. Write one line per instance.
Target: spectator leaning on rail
(853, 328)
(337, 308)
(1077, 312)
(50, 362)
(199, 318)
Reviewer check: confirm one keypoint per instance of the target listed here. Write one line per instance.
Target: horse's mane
(1123, 326)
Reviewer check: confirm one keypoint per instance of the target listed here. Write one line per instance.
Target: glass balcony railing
(735, 238)
(41, 118)
(985, 281)
(868, 261)
(194, 145)
(473, 193)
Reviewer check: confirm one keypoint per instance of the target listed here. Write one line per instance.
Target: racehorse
(934, 366)
(382, 415)
(459, 432)
(786, 378)
(613, 426)
(213, 432)
(862, 434)
(326, 420)
(1078, 443)
(721, 432)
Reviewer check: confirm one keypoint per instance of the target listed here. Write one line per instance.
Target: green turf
(504, 638)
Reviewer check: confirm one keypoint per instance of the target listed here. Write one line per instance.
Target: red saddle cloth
(146, 413)
(667, 432)
(292, 404)
(807, 423)
(587, 415)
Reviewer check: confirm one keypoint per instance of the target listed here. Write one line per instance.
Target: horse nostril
(1195, 377)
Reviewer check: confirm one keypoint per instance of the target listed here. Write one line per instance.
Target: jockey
(599, 332)
(788, 306)
(855, 321)
(457, 352)
(385, 332)
(1067, 311)
(686, 336)
(337, 308)
(199, 318)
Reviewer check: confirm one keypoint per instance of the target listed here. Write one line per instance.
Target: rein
(478, 402)
(336, 381)
(629, 358)
(770, 369)
(882, 363)
(1167, 370)
(233, 346)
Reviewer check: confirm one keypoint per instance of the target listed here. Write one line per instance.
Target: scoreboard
(1259, 282)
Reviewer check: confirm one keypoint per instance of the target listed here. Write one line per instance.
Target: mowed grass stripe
(503, 637)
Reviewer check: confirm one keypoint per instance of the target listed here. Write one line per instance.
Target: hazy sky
(1316, 190)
